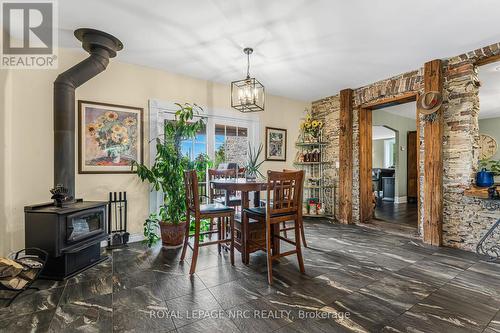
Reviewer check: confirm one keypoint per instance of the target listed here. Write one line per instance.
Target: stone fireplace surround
(465, 219)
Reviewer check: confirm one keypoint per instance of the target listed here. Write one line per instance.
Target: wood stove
(71, 231)
(71, 234)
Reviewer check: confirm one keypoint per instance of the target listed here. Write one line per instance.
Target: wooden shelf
(478, 192)
(305, 144)
(309, 163)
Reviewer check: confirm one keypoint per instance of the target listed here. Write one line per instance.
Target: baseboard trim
(401, 199)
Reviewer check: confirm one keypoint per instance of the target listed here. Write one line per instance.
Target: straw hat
(429, 102)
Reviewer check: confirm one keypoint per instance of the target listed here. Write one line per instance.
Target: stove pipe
(101, 47)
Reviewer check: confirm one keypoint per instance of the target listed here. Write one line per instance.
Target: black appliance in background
(69, 230)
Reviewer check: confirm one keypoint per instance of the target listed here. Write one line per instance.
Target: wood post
(365, 165)
(433, 161)
(345, 157)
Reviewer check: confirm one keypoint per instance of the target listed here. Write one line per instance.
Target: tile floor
(357, 280)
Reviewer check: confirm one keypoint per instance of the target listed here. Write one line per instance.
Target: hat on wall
(429, 102)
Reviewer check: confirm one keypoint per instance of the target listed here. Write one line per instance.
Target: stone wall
(465, 219)
(328, 110)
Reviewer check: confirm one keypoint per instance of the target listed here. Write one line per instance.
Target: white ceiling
(304, 49)
(382, 132)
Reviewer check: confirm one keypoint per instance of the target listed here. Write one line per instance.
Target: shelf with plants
(310, 158)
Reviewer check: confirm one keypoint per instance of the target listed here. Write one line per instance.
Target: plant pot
(484, 178)
(172, 235)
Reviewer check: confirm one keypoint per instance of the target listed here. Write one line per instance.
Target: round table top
(239, 184)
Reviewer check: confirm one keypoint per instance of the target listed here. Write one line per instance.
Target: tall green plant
(167, 172)
(252, 166)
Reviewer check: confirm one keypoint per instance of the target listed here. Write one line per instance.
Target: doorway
(389, 165)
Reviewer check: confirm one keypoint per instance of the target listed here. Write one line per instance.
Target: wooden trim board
(345, 157)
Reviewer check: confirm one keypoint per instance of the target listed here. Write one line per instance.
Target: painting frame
(138, 116)
(271, 149)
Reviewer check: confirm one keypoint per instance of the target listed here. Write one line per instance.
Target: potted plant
(253, 164)
(489, 169)
(167, 175)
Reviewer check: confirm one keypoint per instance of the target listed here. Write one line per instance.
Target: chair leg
(302, 232)
(284, 227)
(297, 246)
(244, 224)
(186, 236)
(231, 226)
(196, 245)
(269, 254)
(219, 233)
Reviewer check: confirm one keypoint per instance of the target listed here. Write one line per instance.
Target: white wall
(26, 133)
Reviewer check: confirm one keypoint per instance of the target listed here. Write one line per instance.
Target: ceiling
(304, 49)
(382, 132)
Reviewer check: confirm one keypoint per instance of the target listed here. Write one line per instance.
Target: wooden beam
(433, 162)
(383, 102)
(419, 203)
(488, 60)
(365, 165)
(345, 157)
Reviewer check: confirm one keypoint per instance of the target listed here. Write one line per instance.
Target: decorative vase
(172, 235)
(484, 178)
(250, 176)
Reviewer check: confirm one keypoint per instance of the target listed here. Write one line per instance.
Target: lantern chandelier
(247, 95)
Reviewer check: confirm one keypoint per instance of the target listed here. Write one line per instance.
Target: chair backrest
(285, 190)
(219, 174)
(191, 187)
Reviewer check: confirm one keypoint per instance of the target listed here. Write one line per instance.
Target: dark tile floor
(384, 282)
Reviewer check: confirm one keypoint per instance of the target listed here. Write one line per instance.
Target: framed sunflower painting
(110, 137)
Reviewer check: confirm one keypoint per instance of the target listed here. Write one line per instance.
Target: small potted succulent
(252, 166)
(167, 175)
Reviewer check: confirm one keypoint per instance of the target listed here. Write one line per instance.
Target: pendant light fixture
(247, 95)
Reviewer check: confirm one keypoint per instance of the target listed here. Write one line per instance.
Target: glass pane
(219, 139)
(186, 148)
(242, 131)
(199, 148)
(220, 129)
(230, 131)
(202, 138)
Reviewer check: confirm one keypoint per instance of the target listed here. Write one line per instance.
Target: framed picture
(110, 137)
(275, 144)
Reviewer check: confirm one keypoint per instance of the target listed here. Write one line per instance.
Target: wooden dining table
(245, 186)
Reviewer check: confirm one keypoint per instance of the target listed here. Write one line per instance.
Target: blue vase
(485, 178)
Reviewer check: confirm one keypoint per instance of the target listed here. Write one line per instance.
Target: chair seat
(233, 200)
(214, 208)
(261, 211)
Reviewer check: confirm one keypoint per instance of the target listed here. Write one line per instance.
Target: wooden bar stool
(284, 193)
(208, 211)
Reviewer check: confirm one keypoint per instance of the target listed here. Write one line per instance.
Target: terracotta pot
(172, 235)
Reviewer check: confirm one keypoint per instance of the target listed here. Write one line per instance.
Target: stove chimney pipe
(101, 47)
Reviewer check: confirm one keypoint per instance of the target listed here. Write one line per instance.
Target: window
(231, 144)
(194, 147)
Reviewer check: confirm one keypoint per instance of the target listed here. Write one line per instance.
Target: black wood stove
(71, 234)
(71, 230)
